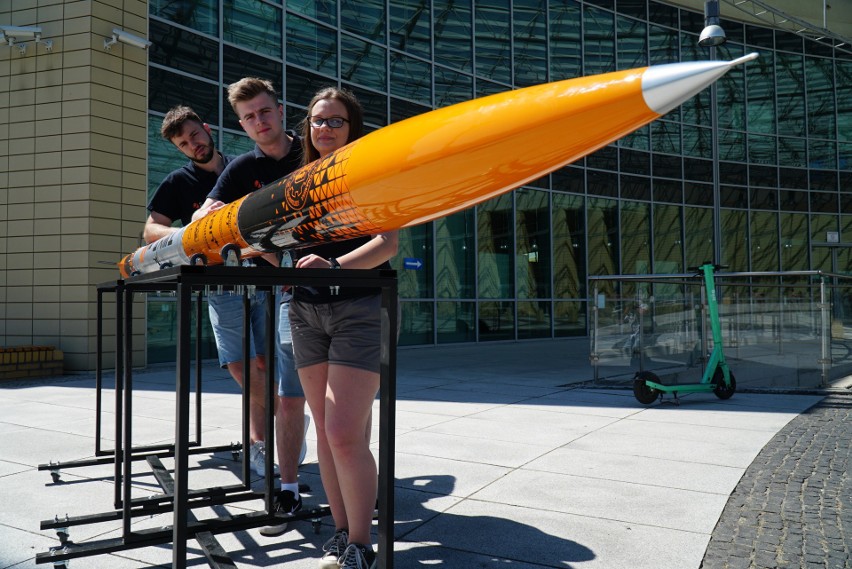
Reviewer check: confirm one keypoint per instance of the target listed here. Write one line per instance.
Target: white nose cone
(668, 86)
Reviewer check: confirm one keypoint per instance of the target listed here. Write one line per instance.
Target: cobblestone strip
(793, 506)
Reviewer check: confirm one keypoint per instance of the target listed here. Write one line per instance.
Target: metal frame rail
(177, 498)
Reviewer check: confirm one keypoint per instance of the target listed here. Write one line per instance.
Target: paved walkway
(506, 457)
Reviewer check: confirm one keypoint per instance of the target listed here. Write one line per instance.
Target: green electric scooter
(717, 377)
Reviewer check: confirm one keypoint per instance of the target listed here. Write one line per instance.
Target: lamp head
(712, 36)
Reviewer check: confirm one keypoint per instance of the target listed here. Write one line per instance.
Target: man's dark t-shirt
(253, 170)
(183, 191)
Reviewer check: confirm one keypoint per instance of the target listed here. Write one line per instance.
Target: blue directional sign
(412, 263)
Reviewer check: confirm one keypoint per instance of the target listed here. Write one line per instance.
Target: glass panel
(375, 105)
(793, 201)
(565, 41)
(451, 87)
(404, 109)
(668, 239)
(665, 136)
(364, 17)
(734, 240)
(791, 94)
(569, 247)
(532, 246)
(662, 43)
(415, 250)
(843, 69)
(603, 236)
(667, 166)
(254, 25)
(761, 149)
(493, 39)
(239, 63)
(598, 41)
(761, 93)
(822, 180)
(764, 241)
(534, 320)
(161, 324)
(822, 154)
(731, 89)
(496, 320)
(668, 191)
(698, 142)
(638, 139)
(824, 202)
(163, 157)
(635, 188)
(605, 158)
(183, 50)
(201, 15)
(663, 14)
(632, 39)
(456, 322)
(569, 319)
(635, 162)
(732, 146)
(454, 259)
(311, 45)
(323, 10)
(820, 86)
(453, 33)
(236, 144)
(792, 151)
(569, 179)
(635, 8)
(416, 323)
(820, 225)
(699, 235)
(410, 27)
(698, 170)
(165, 90)
(411, 78)
(635, 238)
(697, 194)
(794, 241)
(364, 63)
(602, 183)
(496, 245)
(530, 41)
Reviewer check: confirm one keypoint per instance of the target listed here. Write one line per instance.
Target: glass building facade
(516, 267)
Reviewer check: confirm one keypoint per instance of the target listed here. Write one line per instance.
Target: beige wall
(73, 150)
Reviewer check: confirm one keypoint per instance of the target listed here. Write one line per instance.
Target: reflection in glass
(569, 249)
(602, 216)
(455, 255)
(668, 239)
(453, 35)
(529, 20)
(201, 15)
(417, 323)
(764, 241)
(532, 246)
(254, 25)
(415, 244)
(363, 62)
(364, 17)
(534, 319)
(495, 237)
(410, 78)
(496, 320)
(794, 242)
(598, 40)
(451, 87)
(492, 28)
(311, 45)
(183, 50)
(698, 222)
(565, 43)
(735, 240)
(163, 157)
(410, 27)
(635, 238)
(456, 322)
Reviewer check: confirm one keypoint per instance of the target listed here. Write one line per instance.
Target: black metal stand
(176, 497)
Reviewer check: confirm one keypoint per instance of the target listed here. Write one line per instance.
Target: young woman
(336, 343)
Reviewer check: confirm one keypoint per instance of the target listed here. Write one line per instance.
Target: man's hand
(207, 208)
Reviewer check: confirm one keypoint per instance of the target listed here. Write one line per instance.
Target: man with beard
(179, 196)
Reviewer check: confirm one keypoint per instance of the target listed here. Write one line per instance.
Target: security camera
(119, 35)
(14, 34)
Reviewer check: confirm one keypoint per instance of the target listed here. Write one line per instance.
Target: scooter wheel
(643, 393)
(721, 390)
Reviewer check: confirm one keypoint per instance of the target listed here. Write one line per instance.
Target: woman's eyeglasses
(333, 122)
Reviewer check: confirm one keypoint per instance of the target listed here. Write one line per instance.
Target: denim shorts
(288, 379)
(226, 316)
(347, 332)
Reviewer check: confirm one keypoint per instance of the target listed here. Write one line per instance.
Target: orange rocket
(435, 164)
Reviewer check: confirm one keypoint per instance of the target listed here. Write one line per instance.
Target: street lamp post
(711, 37)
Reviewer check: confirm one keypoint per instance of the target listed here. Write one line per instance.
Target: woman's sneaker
(333, 549)
(285, 503)
(357, 556)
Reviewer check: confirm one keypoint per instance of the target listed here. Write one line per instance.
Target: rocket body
(435, 164)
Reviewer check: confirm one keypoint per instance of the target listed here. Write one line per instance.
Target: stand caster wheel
(54, 472)
(316, 524)
(235, 452)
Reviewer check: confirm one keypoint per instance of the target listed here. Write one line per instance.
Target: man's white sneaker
(257, 459)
